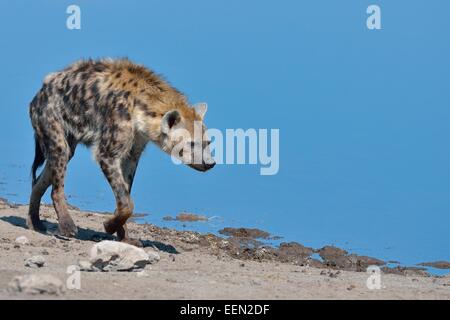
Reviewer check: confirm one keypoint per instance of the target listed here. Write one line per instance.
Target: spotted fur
(115, 107)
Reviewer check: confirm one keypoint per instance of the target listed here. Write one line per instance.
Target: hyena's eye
(192, 145)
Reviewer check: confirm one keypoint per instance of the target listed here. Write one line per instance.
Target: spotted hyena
(115, 107)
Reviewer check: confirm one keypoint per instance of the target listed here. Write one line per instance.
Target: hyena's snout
(209, 165)
(207, 161)
(203, 166)
(203, 163)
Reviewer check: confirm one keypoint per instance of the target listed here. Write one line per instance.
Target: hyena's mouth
(202, 167)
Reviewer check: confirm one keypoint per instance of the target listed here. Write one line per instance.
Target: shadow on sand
(87, 234)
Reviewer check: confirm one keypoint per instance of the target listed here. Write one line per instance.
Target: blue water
(363, 115)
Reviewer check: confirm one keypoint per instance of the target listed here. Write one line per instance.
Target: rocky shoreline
(188, 265)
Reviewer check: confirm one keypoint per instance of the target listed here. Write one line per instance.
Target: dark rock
(338, 258)
(436, 264)
(245, 233)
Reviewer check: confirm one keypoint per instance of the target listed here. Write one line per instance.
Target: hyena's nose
(210, 165)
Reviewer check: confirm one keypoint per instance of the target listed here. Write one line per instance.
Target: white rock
(153, 256)
(85, 265)
(22, 240)
(35, 262)
(118, 256)
(37, 284)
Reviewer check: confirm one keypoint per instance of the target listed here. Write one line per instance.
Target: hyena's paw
(110, 226)
(67, 228)
(133, 242)
(36, 225)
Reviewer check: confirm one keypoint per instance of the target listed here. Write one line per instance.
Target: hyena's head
(183, 136)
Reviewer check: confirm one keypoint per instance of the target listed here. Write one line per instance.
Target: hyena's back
(97, 102)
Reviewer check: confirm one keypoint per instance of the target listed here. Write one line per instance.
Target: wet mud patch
(406, 271)
(436, 264)
(242, 245)
(245, 233)
(337, 258)
(186, 217)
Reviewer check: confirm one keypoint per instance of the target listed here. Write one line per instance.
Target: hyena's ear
(170, 119)
(200, 109)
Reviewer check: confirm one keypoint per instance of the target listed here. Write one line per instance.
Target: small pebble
(22, 240)
(35, 262)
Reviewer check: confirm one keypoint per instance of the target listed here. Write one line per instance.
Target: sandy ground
(189, 268)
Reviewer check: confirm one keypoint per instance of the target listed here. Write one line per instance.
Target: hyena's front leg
(129, 166)
(124, 205)
(129, 163)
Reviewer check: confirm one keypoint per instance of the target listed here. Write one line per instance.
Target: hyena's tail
(39, 159)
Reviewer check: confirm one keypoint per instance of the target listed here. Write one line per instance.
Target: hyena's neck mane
(150, 90)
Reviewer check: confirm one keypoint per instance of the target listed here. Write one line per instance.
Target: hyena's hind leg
(58, 165)
(60, 151)
(41, 184)
(39, 187)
